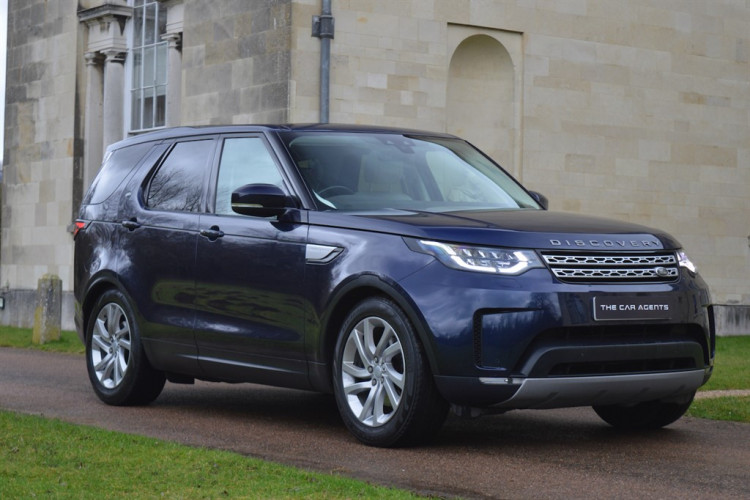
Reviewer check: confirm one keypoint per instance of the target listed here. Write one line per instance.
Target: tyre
(647, 415)
(118, 369)
(383, 385)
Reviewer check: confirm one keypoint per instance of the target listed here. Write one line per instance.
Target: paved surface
(721, 394)
(524, 454)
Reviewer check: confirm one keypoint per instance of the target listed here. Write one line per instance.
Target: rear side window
(178, 184)
(116, 166)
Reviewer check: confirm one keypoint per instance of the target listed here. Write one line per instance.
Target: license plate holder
(633, 308)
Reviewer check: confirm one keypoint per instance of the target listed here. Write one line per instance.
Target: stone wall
(236, 62)
(641, 113)
(732, 320)
(635, 110)
(41, 145)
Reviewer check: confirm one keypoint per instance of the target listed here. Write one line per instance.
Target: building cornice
(118, 11)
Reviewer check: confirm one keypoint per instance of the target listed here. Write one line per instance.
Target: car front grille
(590, 267)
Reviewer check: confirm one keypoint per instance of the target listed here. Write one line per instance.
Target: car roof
(171, 133)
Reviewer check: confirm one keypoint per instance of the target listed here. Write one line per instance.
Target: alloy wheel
(110, 345)
(373, 371)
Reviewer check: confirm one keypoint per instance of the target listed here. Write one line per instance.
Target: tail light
(79, 226)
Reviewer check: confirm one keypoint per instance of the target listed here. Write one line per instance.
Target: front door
(250, 313)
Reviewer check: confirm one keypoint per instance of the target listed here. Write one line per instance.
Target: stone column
(114, 89)
(93, 146)
(174, 78)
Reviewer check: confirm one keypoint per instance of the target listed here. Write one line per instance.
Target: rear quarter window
(116, 166)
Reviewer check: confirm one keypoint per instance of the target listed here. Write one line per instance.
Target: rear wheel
(647, 415)
(383, 385)
(118, 369)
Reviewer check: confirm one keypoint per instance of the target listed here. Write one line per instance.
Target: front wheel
(118, 369)
(383, 385)
(646, 415)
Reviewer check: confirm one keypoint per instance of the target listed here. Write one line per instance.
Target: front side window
(148, 95)
(178, 184)
(244, 160)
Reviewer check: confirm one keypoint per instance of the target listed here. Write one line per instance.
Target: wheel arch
(343, 300)
(97, 287)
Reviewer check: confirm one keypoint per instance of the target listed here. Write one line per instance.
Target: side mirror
(540, 198)
(260, 200)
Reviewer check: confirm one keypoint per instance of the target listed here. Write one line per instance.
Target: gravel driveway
(523, 454)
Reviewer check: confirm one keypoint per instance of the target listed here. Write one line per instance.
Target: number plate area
(633, 308)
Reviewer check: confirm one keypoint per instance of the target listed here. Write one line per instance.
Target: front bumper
(563, 392)
(533, 342)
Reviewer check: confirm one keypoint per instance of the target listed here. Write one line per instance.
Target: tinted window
(178, 184)
(244, 160)
(116, 166)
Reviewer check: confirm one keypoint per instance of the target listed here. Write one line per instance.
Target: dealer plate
(634, 308)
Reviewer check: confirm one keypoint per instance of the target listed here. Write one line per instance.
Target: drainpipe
(323, 28)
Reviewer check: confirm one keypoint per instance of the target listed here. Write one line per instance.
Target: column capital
(93, 58)
(114, 55)
(174, 40)
(175, 15)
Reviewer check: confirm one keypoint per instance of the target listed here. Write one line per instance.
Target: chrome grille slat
(592, 267)
(611, 260)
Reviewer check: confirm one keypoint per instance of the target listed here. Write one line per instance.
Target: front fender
(343, 299)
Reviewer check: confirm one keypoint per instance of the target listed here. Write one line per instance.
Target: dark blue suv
(403, 271)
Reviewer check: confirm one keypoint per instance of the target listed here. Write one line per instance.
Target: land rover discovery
(402, 271)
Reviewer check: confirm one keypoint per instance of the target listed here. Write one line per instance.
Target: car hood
(509, 228)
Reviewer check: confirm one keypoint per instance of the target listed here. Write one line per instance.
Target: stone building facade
(636, 110)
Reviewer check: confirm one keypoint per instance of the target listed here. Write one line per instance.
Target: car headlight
(685, 262)
(505, 261)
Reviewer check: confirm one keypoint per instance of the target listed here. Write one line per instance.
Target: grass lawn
(731, 371)
(731, 366)
(733, 408)
(52, 459)
(21, 338)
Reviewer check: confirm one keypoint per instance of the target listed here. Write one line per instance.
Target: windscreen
(377, 171)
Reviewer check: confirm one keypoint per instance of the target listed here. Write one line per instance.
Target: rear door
(159, 218)
(250, 311)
